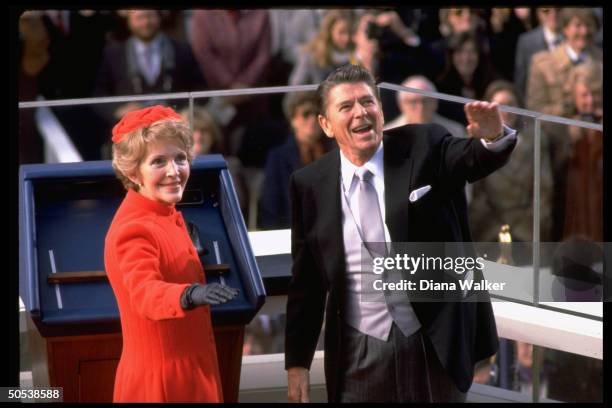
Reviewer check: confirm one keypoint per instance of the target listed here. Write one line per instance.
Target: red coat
(169, 354)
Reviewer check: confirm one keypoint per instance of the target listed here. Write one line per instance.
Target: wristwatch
(496, 138)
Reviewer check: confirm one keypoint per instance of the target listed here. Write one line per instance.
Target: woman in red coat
(169, 349)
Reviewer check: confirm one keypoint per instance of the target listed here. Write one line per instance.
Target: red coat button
(191, 251)
(179, 222)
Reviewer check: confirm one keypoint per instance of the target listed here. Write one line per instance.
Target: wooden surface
(85, 366)
(100, 276)
(229, 340)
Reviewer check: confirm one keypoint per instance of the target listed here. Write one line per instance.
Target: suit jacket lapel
(398, 184)
(329, 226)
(542, 41)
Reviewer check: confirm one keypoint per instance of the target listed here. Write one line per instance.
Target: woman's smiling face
(163, 173)
(341, 35)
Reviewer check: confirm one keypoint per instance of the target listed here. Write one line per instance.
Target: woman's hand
(209, 294)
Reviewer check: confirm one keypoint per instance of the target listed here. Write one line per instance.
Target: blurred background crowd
(545, 59)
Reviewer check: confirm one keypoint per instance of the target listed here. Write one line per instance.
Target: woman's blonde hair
(589, 73)
(129, 153)
(321, 45)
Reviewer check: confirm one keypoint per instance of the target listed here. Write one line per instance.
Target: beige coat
(548, 76)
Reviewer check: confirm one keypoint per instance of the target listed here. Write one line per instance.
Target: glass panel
(512, 368)
(500, 205)
(574, 257)
(260, 144)
(505, 198)
(572, 377)
(266, 335)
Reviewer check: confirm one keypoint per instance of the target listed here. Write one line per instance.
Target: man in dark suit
(147, 62)
(386, 351)
(75, 43)
(545, 37)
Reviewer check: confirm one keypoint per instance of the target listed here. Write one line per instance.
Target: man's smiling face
(353, 116)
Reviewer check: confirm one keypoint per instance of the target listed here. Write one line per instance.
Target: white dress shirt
(366, 310)
(574, 56)
(150, 68)
(552, 39)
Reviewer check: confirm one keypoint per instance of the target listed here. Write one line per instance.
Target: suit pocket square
(418, 193)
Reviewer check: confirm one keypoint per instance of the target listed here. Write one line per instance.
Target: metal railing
(192, 96)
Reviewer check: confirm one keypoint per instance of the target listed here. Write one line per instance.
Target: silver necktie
(370, 218)
(149, 69)
(373, 235)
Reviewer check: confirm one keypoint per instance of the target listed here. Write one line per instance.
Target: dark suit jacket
(114, 77)
(117, 76)
(75, 57)
(529, 43)
(414, 156)
(282, 161)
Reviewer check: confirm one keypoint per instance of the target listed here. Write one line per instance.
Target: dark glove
(210, 294)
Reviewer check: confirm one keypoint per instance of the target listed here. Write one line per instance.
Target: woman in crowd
(452, 22)
(329, 49)
(584, 197)
(169, 349)
(468, 72)
(208, 139)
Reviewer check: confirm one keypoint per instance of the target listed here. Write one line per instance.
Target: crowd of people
(544, 59)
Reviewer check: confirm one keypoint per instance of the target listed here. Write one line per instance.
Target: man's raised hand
(484, 120)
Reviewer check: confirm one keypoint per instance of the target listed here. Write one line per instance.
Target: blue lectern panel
(71, 235)
(210, 208)
(72, 216)
(236, 231)
(65, 213)
(208, 219)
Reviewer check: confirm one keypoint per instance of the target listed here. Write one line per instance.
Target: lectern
(73, 320)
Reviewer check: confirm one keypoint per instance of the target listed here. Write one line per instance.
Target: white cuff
(500, 144)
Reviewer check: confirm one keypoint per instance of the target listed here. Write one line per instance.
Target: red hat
(141, 118)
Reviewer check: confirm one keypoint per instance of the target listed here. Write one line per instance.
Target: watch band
(497, 138)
